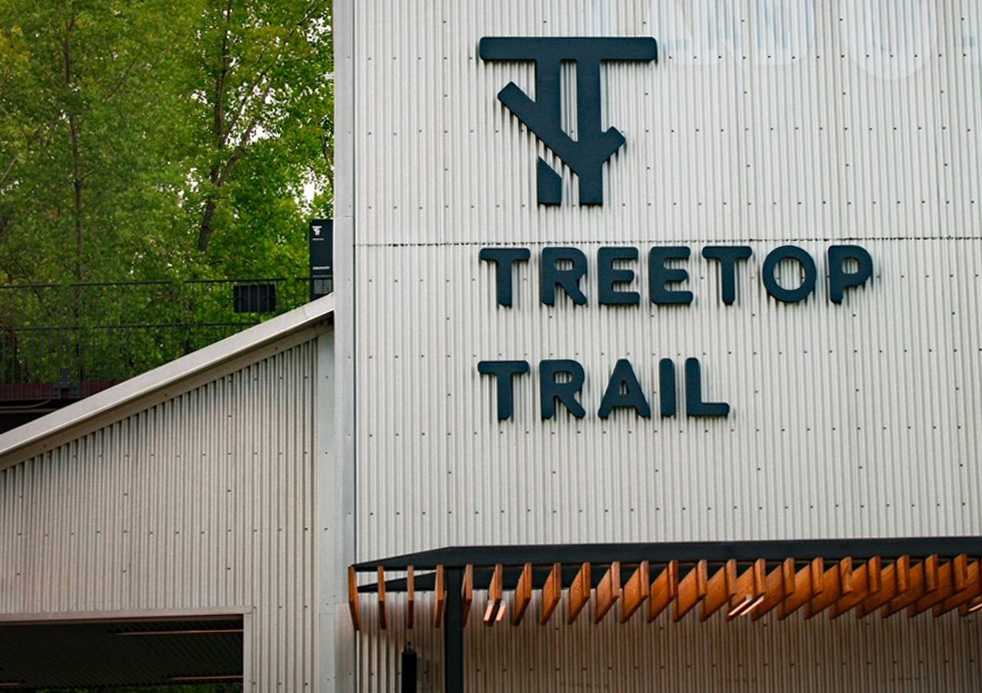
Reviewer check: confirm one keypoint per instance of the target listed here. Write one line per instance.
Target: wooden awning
(739, 579)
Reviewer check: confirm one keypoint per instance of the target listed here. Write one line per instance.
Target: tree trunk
(215, 177)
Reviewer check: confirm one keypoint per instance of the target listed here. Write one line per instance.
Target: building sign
(563, 270)
(592, 146)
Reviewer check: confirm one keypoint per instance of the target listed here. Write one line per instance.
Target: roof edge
(163, 376)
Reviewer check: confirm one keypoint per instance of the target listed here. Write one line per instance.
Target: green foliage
(136, 103)
(152, 139)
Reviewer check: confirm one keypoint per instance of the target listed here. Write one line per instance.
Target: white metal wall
(202, 502)
(764, 122)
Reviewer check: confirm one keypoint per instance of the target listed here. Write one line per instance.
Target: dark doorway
(204, 654)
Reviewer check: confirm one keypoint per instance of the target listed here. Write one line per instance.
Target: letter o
(804, 260)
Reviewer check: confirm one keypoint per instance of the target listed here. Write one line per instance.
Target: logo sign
(593, 146)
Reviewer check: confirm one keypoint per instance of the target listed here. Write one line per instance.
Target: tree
(265, 66)
(146, 139)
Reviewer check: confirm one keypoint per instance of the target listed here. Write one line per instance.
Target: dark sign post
(321, 257)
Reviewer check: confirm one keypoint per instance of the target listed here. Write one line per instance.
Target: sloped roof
(23, 437)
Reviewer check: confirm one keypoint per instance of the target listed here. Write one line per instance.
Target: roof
(738, 578)
(74, 415)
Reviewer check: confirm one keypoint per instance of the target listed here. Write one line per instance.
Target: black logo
(586, 154)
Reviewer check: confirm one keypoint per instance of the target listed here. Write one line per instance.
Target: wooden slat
(845, 575)
(874, 570)
(971, 590)
(440, 597)
(748, 590)
(887, 591)
(859, 589)
(383, 620)
(915, 590)
(636, 590)
(944, 582)
(960, 567)
(608, 592)
(903, 574)
(802, 593)
(931, 573)
(774, 589)
(718, 590)
(831, 590)
(663, 590)
(691, 589)
(467, 592)
(523, 595)
(818, 570)
(973, 607)
(788, 572)
(354, 601)
(495, 595)
(579, 593)
(552, 591)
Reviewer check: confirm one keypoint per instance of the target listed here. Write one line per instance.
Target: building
(654, 312)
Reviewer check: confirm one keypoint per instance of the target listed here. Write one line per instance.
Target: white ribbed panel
(763, 123)
(856, 419)
(204, 501)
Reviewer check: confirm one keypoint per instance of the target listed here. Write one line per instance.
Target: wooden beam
(440, 594)
(944, 581)
(831, 590)
(903, 574)
(805, 586)
(410, 597)
(960, 567)
(860, 587)
(719, 589)
(750, 592)
(608, 592)
(774, 589)
(354, 601)
(495, 595)
(915, 590)
(971, 590)
(692, 588)
(579, 593)
(931, 573)
(467, 592)
(383, 621)
(523, 595)
(636, 591)
(552, 591)
(663, 590)
(887, 591)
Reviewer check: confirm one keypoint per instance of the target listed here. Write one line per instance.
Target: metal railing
(71, 340)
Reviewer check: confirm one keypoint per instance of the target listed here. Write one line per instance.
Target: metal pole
(453, 635)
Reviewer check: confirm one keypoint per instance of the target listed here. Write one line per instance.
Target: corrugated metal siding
(763, 122)
(204, 501)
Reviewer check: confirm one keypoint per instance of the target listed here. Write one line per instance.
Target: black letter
(666, 383)
(503, 259)
(660, 276)
(504, 372)
(727, 256)
(839, 280)
(771, 262)
(694, 406)
(550, 390)
(609, 277)
(623, 378)
(551, 276)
